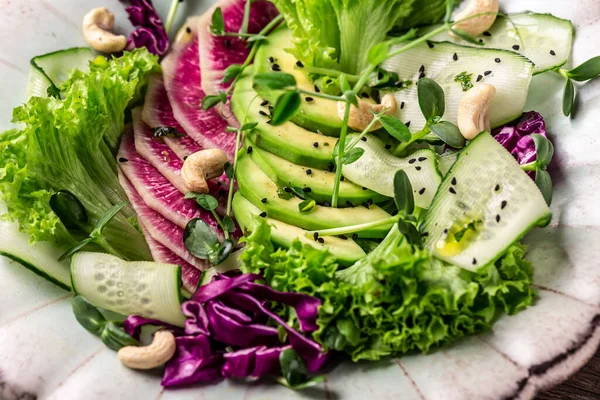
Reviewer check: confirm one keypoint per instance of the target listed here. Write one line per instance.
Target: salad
(285, 183)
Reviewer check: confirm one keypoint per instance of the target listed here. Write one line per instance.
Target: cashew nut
(362, 116)
(97, 31)
(473, 117)
(477, 25)
(202, 166)
(160, 351)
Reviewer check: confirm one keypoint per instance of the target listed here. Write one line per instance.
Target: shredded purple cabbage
(234, 312)
(149, 32)
(516, 137)
(134, 323)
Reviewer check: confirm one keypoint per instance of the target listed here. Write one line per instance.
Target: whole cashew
(477, 25)
(97, 31)
(362, 116)
(473, 117)
(160, 351)
(202, 166)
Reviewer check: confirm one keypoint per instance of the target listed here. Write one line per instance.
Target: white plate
(44, 353)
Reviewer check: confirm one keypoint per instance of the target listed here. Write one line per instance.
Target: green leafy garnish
(395, 128)
(285, 108)
(465, 80)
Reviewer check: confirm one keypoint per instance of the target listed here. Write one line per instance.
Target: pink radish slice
(159, 228)
(158, 112)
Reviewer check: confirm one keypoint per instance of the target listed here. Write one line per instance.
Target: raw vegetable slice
(47, 72)
(41, 257)
(190, 275)
(447, 160)
(158, 112)
(181, 72)
(375, 170)
(485, 204)
(543, 38)
(456, 68)
(155, 190)
(144, 288)
(156, 152)
(160, 229)
(219, 52)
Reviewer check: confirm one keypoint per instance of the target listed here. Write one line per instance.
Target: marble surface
(45, 354)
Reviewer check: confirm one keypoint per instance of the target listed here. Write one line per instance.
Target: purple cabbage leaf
(150, 31)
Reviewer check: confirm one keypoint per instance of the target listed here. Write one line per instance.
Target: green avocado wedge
(256, 186)
(316, 114)
(288, 141)
(320, 183)
(282, 234)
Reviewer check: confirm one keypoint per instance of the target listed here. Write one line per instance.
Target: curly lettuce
(69, 143)
(395, 300)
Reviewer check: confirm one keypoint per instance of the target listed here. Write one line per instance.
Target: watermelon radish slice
(219, 52)
(181, 72)
(156, 152)
(190, 275)
(159, 228)
(158, 112)
(156, 191)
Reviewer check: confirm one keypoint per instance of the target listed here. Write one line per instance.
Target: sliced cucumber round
(149, 289)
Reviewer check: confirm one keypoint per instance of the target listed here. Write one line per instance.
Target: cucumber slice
(447, 160)
(536, 35)
(511, 77)
(484, 205)
(49, 71)
(375, 170)
(41, 257)
(149, 289)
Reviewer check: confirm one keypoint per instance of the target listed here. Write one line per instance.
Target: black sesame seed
(369, 202)
(222, 192)
(418, 168)
(317, 89)
(486, 73)
(552, 52)
(349, 203)
(380, 75)
(342, 178)
(412, 161)
(481, 41)
(264, 103)
(430, 45)
(343, 237)
(365, 95)
(316, 144)
(269, 122)
(122, 159)
(330, 167)
(188, 29)
(453, 181)
(364, 188)
(308, 171)
(227, 43)
(326, 144)
(276, 67)
(402, 105)
(455, 57)
(425, 234)
(388, 146)
(185, 158)
(474, 261)
(422, 75)
(452, 190)
(407, 124)
(309, 99)
(306, 190)
(422, 191)
(271, 108)
(421, 159)
(486, 33)
(503, 205)
(263, 214)
(271, 60)
(287, 189)
(422, 68)
(326, 204)
(364, 139)
(498, 218)
(479, 77)
(497, 60)
(365, 205)
(355, 236)
(299, 64)
(264, 200)
(321, 240)
(264, 114)
(316, 236)
(249, 150)
(445, 231)
(516, 47)
(497, 187)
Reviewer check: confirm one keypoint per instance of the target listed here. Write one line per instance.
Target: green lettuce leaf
(397, 299)
(70, 144)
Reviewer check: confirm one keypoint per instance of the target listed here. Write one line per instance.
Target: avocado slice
(316, 114)
(262, 192)
(346, 251)
(286, 173)
(289, 140)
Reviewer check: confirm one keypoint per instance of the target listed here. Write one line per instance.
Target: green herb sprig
(544, 151)
(585, 72)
